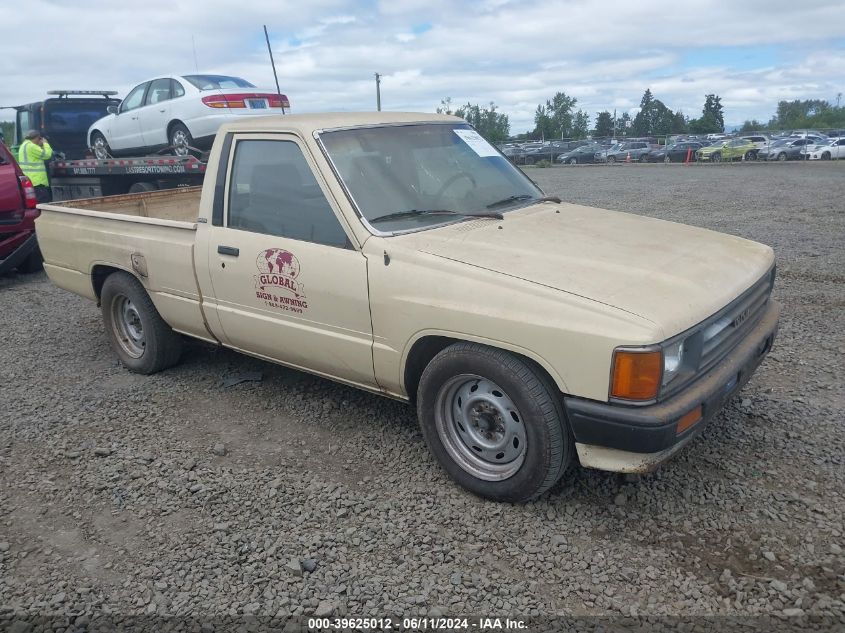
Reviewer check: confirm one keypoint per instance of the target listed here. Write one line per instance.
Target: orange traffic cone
(689, 156)
(628, 158)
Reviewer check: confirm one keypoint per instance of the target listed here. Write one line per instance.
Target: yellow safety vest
(31, 157)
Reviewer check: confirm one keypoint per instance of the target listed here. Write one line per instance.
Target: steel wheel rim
(99, 148)
(180, 143)
(480, 427)
(127, 326)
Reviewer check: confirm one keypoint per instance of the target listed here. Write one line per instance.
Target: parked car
(562, 333)
(760, 141)
(621, 151)
(580, 155)
(18, 246)
(834, 149)
(790, 149)
(733, 149)
(181, 112)
(676, 153)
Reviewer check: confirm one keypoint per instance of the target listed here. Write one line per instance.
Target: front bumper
(638, 439)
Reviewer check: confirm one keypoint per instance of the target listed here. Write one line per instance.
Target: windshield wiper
(509, 199)
(410, 213)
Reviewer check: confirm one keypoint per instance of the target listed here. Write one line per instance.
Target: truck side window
(273, 191)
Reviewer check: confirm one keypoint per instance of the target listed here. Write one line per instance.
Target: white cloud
(516, 54)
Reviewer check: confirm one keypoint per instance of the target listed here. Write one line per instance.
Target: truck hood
(671, 274)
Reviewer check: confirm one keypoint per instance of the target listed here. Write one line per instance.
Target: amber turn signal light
(688, 420)
(636, 375)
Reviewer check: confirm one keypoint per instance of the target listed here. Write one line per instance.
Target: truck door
(155, 114)
(287, 283)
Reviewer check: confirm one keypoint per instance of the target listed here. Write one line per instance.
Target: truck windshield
(65, 116)
(416, 176)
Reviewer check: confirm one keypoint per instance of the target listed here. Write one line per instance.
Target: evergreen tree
(604, 124)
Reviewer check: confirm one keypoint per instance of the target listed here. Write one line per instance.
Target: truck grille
(722, 331)
(712, 340)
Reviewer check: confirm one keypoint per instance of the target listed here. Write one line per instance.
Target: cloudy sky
(516, 53)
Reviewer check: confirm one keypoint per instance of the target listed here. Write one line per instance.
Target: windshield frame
(450, 219)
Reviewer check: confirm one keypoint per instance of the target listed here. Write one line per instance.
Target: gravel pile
(197, 493)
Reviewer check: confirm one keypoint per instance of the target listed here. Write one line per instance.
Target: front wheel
(573, 161)
(782, 157)
(611, 159)
(142, 340)
(100, 146)
(826, 156)
(751, 155)
(717, 157)
(493, 422)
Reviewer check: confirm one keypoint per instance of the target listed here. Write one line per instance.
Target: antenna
(273, 64)
(194, 44)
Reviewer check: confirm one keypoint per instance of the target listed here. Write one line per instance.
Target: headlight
(673, 358)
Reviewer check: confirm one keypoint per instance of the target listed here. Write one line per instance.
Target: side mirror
(112, 109)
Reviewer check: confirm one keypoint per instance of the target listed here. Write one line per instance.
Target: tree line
(559, 118)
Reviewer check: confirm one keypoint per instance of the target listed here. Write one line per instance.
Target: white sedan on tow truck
(181, 112)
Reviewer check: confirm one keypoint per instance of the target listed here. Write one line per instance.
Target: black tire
(33, 262)
(143, 187)
(751, 155)
(573, 161)
(782, 156)
(717, 157)
(160, 347)
(826, 156)
(611, 159)
(548, 446)
(100, 146)
(180, 140)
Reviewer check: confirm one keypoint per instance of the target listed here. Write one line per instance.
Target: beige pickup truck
(403, 254)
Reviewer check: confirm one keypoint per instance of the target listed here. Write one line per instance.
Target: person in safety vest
(32, 154)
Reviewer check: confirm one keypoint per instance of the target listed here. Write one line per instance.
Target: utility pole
(838, 98)
(378, 92)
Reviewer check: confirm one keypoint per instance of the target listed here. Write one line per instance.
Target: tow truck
(64, 118)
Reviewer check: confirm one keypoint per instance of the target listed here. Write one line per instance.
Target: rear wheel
(142, 340)
(180, 139)
(494, 422)
(143, 187)
(100, 146)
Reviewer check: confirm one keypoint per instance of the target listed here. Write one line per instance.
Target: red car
(18, 248)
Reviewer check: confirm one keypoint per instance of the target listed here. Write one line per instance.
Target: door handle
(228, 250)
(162, 110)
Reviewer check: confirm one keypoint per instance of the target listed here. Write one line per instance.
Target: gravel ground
(181, 494)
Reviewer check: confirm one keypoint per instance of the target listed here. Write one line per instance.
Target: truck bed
(180, 205)
(150, 235)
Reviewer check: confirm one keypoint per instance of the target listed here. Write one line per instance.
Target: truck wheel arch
(424, 348)
(101, 272)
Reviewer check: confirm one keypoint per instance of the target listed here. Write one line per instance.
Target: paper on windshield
(476, 143)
